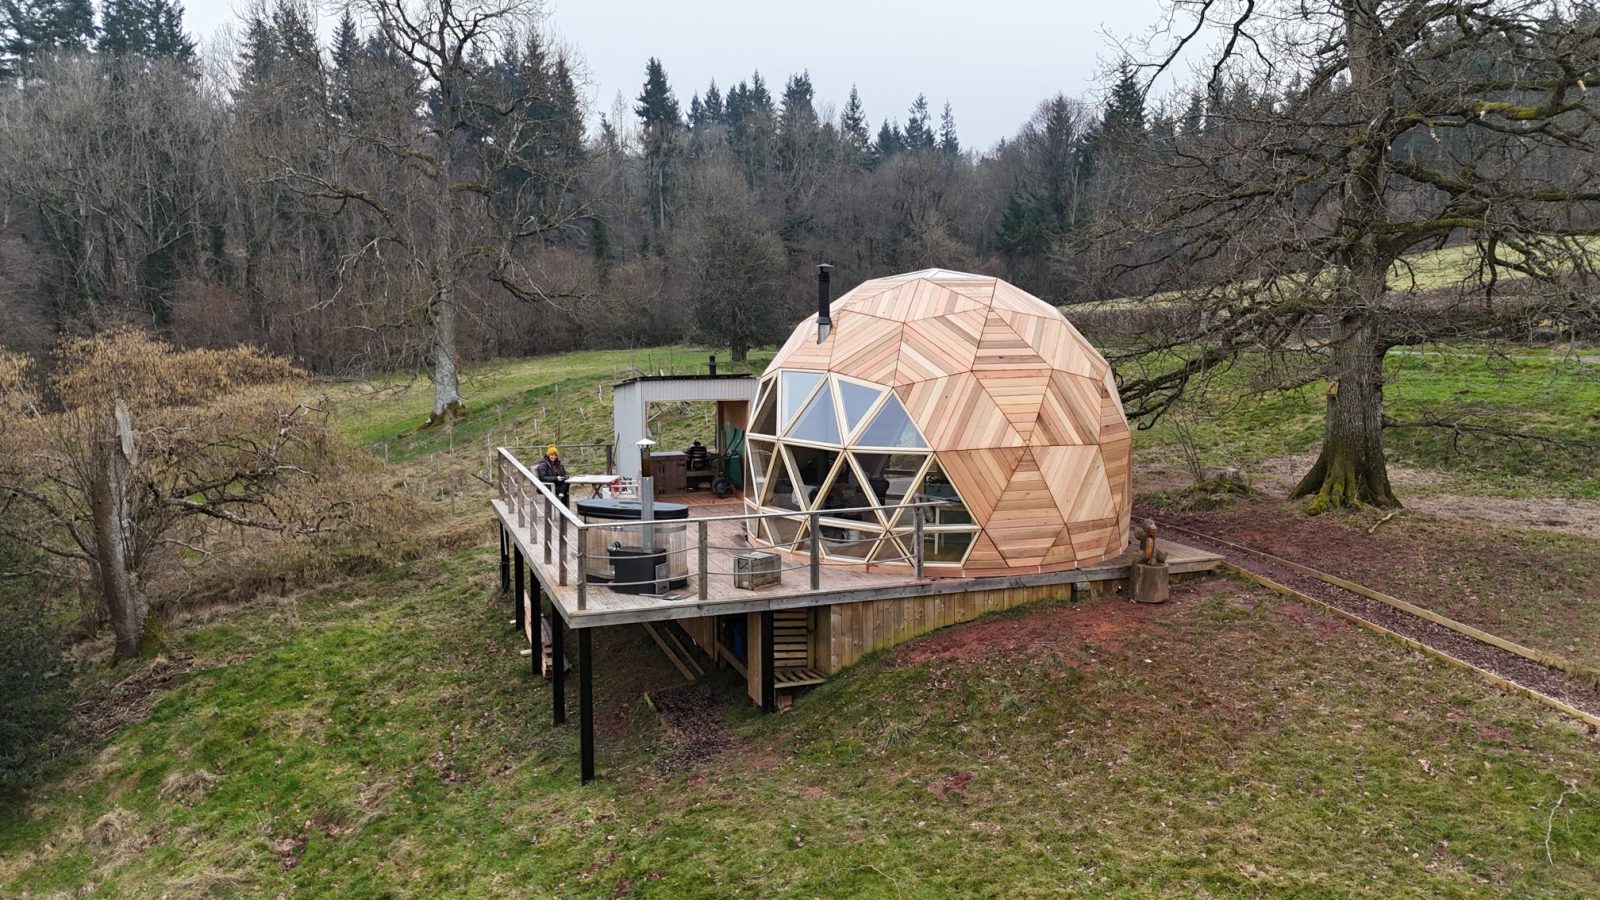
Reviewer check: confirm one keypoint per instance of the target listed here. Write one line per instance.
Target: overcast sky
(993, 61)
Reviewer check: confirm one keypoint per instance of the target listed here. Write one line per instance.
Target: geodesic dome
(943, 385)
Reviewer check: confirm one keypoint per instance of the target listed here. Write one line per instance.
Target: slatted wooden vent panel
(791, 648)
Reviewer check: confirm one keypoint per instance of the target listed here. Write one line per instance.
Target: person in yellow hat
(551, 471)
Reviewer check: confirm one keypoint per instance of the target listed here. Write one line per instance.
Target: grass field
(1425, 271)
(1554, 393)
(378, 735)
(564, 399)
(383, 738)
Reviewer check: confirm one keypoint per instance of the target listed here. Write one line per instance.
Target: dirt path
(1528, 587)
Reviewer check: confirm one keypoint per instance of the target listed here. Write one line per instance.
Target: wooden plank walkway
(838, 584)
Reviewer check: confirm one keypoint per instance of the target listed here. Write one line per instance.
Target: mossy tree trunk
(1351, 469)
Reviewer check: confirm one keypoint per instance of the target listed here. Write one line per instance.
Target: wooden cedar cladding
(846, 632)
(826, 639)
(1019, 409)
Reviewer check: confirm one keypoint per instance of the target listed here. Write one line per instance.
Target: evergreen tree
(346, 46)
(31, 29)
(797, 114)
(1125, 113)
(714, 114)
(697, 112)
(890, 142)
(752, 126)
(258, 51)
(949, 144)
(853, 131)
(658, 108)
(149, 29)
(919, 134)
(299, 60)
(345, 54)
(660, 117)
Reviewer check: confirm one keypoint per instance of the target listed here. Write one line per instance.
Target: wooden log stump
(1150, 582)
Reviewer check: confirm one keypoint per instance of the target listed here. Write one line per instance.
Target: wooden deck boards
(603, 606)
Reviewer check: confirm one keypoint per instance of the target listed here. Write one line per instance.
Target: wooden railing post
(916, 538)
(561, 553)
(816, 554)
(704, 568)
(546, 530)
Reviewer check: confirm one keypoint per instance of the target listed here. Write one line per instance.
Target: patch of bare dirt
(1280, 474)
(131, 699)
(695, 718)
(955, 783)
(1064, 630)
(1579, 517)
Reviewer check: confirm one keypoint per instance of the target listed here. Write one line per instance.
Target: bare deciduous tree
(454, 171)
(128, 439)
(1340, 139)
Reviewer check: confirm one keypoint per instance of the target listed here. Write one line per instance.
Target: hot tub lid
(627, 510)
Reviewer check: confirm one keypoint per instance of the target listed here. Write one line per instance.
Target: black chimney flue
(824, 322)
(713, 364)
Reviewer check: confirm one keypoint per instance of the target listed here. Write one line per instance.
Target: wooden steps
(667, 639)
(792, 678)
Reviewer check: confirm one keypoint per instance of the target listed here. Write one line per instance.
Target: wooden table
(596, 483)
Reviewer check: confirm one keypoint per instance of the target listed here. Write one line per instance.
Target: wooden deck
(600, 606)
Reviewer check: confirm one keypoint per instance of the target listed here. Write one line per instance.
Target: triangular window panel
(817, 423)
(847, 492)
(849, 541)
(766, 419)
(892, 551)
(796, 387)
(946, 547)
(891, 427)
(759, 467)
(889, 477)
(937, 486)
(810, 468)
(856, 400)
(784, 492)
(789, 533)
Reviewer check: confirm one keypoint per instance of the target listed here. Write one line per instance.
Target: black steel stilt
(505, 559)
(558, 666)
(518, 619)
(769, 689)
(585, 707)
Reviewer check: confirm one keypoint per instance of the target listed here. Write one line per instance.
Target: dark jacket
(549, 471)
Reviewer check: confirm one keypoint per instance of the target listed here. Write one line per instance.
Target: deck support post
(585, 706)
(769, 688)
(517, 620)
(558, 665)
(505, 557)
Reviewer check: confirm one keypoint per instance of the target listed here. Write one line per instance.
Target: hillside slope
(379, 735)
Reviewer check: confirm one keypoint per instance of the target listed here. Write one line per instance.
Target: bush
(35, 682)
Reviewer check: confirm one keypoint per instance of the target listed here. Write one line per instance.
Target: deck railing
(559, 535)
